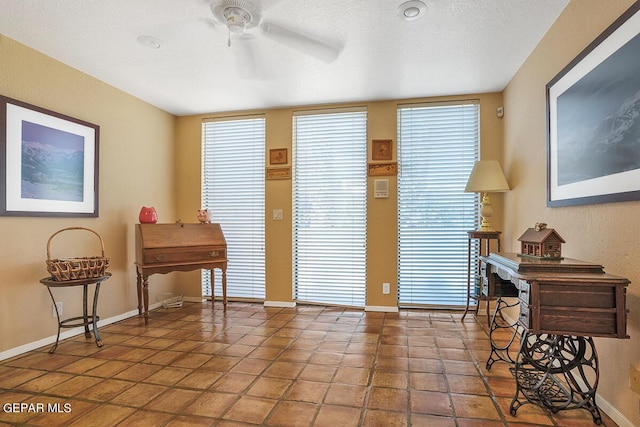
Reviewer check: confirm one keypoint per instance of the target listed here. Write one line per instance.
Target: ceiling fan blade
(245, 58)
(322, 50)
(208, 22)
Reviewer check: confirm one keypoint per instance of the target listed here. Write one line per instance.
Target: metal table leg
(85, 320)
(557, 372)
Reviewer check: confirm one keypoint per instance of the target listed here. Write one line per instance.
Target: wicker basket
(76, 268)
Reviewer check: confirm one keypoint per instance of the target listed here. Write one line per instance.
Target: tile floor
(307, 366)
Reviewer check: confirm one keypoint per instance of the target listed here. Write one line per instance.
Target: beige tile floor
(249, 365)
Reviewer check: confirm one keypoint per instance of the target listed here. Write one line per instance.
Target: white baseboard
(381, 308)
(613, 413)
(16, 351)
(280, 304)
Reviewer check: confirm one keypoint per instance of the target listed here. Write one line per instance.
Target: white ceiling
(457, 47)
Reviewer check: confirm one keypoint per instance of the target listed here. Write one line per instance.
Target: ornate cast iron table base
(503, 335)
(557, 372)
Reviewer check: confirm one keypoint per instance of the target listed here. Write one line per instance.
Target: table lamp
(486, 177)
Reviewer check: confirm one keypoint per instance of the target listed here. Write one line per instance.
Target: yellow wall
(136, 168)
(607, 233)
(381, 213)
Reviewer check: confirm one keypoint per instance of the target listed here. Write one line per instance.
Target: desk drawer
(525, 291)
(177, 255)
(525, 315)
(483, 269)
(589, 295)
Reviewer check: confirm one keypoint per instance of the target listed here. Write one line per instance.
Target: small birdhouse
(541, 242)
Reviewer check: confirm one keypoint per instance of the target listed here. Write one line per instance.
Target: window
(329, 204)
(438, 146)
(233, 159)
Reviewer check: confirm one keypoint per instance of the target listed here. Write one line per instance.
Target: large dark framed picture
(49, 162)
(593, 120)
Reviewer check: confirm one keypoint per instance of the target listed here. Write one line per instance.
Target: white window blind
(438, 146)
(329, 207)
(233, 188)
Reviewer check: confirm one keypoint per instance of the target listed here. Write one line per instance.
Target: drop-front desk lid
(179, 243)
(179, 234)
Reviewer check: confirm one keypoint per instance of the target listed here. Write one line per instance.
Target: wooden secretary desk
(163, 248)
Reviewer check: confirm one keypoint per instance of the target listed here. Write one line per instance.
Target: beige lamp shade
(486, 177)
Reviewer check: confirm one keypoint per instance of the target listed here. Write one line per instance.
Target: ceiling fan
(244, 21)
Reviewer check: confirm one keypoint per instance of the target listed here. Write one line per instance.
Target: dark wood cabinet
(563, 304)
(562, 297)
(163, 248)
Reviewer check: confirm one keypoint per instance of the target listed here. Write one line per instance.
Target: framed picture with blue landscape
(49, 162)
(593, 120)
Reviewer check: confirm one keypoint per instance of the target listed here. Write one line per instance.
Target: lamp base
(485, 226)
(486, 211)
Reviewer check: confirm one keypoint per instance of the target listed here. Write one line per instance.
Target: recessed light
(411, 10)
(149, 41)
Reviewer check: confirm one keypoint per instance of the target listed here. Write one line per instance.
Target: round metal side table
(86, 319)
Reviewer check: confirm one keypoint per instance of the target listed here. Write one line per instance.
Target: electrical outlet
(386, 288)
(53, 309)
(634, 379)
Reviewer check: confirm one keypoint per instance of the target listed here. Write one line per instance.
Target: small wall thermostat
(381, 188)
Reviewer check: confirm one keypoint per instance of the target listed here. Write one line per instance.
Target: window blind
(329, 207)
(233, 187)
(438, 146)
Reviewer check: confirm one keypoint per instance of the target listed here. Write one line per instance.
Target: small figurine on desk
(205, 216)
(148, 215)
(541, 242)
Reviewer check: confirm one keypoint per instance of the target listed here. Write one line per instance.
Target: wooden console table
(561, 305)
(164, 248)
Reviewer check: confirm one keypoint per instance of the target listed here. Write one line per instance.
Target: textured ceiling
(457, 47)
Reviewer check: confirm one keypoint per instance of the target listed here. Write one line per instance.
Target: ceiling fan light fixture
(236, 19)
(236, 15)
(411, 10)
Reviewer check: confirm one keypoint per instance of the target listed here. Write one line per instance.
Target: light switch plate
(278, 214)
(381, 188)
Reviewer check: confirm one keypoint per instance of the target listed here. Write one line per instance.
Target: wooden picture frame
(593, 136)
(382, 169)
(381, 149)
(50, 162)
(278, 173)
(278, 156)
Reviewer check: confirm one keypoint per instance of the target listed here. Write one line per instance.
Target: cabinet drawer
(589, 295)
(483, 269)
(178, 255)
(525, 291)
(525, 316)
